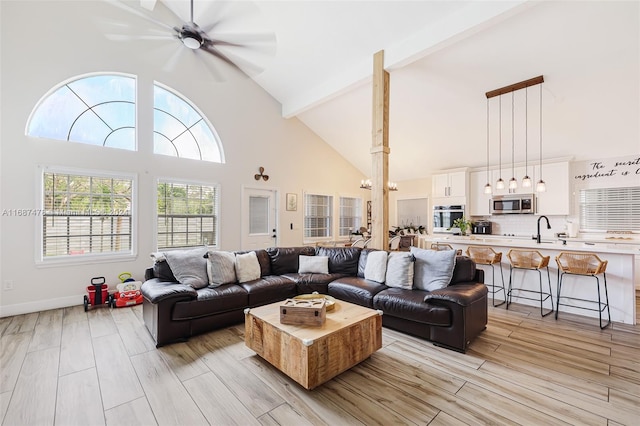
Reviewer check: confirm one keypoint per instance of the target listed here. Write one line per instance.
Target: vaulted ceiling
(443, 56)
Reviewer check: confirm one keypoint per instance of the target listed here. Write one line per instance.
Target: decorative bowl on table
(330, 301)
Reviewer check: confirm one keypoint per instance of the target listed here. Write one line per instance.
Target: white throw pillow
(221, 267)
(313, 264)
(376, 267)
(247, 267)
(400, 270)
(433, 269)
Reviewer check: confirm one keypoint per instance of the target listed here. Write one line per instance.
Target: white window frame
(89, 258)
(613, 212)
(331, 221)
(339, 214)
(217, 210)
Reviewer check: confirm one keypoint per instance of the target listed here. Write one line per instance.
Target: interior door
(259, 219)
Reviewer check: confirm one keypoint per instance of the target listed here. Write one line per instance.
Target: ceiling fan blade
(139, 13)
(244, 37)
(170, 65)
(215, 52)
(124, 37)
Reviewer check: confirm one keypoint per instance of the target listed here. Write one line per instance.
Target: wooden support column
(380, 156)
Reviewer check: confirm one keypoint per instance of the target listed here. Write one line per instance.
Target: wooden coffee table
(313, 355)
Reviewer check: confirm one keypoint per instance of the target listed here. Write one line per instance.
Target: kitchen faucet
(548, 227)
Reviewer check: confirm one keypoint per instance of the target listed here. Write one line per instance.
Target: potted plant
(463, 224)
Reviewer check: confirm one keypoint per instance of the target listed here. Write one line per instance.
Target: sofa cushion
(342, 260)
(313, 264)
(376, 267)
(221, 267)
(362, 261)
(162, 271)
(410, 305)
(269, 289)
(399, 270)
(247, 267)
(285, 260)
(433, 269)
(212, 300)
(189, 266)
(308, 283)
(464, 271)
(355, 290)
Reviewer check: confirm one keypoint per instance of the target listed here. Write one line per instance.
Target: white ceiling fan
(232, 49)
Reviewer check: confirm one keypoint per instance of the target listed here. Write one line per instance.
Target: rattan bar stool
(482, 255)
(588, 265)
(443, 247)
(534, 261)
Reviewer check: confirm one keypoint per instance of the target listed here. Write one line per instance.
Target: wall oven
(444, 216)
(513, 204)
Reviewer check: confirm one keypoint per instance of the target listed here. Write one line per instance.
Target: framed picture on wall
(292, 202)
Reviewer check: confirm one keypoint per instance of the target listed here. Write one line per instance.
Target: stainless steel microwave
(513, 204)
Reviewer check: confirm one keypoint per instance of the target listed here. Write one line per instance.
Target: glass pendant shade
(487, 188)
(526, 182)
(500, 184)
(513, 183)
(541, 186)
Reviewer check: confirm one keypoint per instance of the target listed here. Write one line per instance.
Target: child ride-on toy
(98, 293)
(128, 292)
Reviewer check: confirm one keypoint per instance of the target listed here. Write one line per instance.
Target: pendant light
(500, 182)
(541, 186)
(487, 187)
(526, 180)
(513, 183)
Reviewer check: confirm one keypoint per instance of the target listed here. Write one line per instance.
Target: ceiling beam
(438, 35)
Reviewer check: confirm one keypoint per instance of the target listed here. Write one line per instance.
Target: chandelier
(366, 184)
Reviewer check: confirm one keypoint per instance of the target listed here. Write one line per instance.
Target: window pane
(610, 209)
(258, 215)
(186, 215)
(86, 214)
(318, 218)
(350, 215)
(96, 110)
(180, 130)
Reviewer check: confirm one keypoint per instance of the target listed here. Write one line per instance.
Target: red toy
(128, 292)
(98, 293)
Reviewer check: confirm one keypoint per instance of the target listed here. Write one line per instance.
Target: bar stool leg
(560, 275)
(493, 288)
(600, 308)
(508, 297)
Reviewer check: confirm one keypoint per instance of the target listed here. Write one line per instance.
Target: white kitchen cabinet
(479, 202)
(556, 200)
(451, 184)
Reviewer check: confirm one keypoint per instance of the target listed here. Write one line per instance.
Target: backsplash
(523, 225)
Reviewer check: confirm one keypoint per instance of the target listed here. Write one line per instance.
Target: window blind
(317, 215)
(610, 209)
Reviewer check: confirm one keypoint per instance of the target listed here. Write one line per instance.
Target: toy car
(127, 294)
(97, 294)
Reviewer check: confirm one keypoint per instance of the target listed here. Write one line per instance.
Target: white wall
(68, 42)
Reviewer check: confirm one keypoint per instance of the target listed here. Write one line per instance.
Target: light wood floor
(68, 367)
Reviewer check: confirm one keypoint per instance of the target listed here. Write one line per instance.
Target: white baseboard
(40, 305)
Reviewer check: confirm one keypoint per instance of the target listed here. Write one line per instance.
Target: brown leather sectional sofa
(450, 317)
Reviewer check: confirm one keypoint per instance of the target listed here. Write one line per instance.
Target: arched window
(100, 109)
(180, 130)
(96, 110)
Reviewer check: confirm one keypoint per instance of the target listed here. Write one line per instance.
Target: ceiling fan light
(192, 41)
(526, 182)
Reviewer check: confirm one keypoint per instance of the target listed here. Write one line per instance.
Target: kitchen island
(620, 270)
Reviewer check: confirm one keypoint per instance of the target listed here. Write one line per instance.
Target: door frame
(244, 209)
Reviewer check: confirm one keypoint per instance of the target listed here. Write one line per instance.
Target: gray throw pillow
(433, 269)
(221, 267)
(400, 270)
(189, 266)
